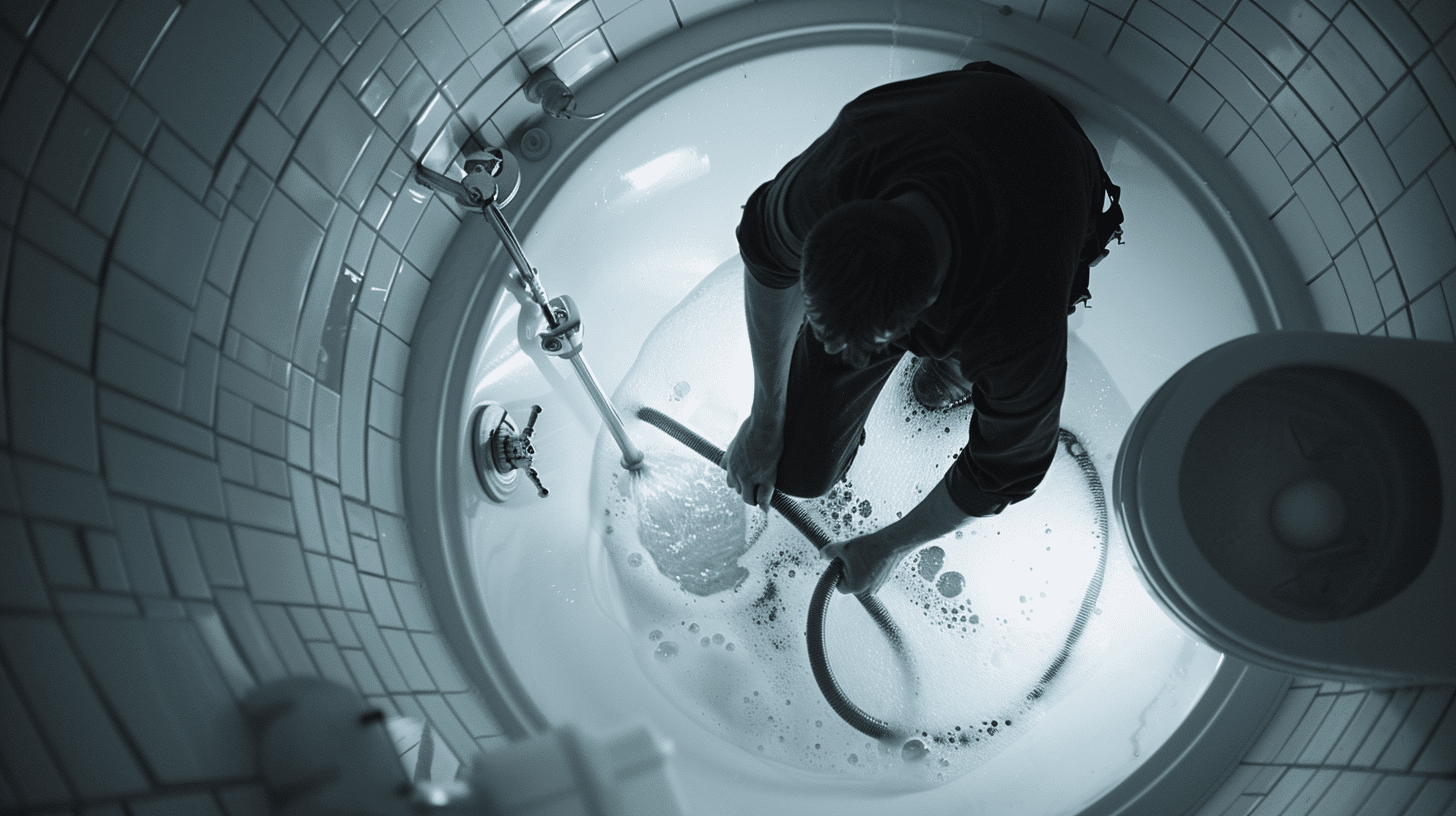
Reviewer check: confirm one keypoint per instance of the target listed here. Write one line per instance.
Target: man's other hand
(752, 462)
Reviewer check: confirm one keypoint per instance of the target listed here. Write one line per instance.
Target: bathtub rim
(1240, 698)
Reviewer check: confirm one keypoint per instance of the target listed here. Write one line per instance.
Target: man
(951, 216)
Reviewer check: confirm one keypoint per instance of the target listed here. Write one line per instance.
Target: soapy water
(715, 593)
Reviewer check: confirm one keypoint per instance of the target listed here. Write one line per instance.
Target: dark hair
(868, 269)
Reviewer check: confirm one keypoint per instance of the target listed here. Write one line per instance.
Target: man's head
(868, 271)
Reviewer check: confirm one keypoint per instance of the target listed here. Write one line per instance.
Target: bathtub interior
(637, 226)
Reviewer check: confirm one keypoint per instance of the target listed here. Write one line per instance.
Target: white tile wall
(200, 204)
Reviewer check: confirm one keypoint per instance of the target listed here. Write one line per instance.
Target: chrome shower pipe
(479, 191)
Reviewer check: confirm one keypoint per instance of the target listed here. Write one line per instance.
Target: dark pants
(828, 403)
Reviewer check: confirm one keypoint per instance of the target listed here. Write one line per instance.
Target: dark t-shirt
(1018, 186)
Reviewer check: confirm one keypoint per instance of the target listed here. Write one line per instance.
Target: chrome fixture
(499, 450)
(492, 177)
(556, 99)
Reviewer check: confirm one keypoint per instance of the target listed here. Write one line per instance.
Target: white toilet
(1289, 498)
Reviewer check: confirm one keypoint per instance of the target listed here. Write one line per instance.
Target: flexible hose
(824, 590)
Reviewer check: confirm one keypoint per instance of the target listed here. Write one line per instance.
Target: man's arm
(869, 559)
(774, 317)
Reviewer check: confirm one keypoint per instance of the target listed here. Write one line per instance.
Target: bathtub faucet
(491, 180)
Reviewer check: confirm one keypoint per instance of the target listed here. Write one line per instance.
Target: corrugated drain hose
(824, 590)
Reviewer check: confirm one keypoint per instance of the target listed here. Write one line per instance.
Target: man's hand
(868, 563)
(752, 462)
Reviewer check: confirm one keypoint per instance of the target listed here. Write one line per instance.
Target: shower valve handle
(564, 340)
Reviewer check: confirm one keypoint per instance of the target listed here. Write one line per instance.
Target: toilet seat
(1412, 636)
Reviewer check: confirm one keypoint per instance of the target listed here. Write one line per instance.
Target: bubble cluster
(693, 565)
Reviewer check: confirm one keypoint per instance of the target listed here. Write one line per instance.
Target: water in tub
(715, 594)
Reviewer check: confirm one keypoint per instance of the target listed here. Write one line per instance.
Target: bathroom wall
(213, 261)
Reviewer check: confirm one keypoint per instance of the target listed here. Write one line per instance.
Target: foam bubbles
(694, 565)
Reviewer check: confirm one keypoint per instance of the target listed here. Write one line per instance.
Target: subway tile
(100, 86)
(1346, 794)
(26, 111)
(331, 510)
(266, 141)
(535, 18)
(1434, 799)
(227, 254)
(1434, 17)
(66, 32)
(1291, 786)
(1258, 167)
(107, 188)
(361, 520)
(367, 556)
(38, 782)
(1294, 161)
(1370, 44)
(447, 726)
(179, 553)
(21, 584)
(71, 603)
(103, 553)
(405, 299)
(162, 474)
(350, 592)
(577, 23)
(139, 371)
(1439, 755)
(52, 409)
(1336, 173)
(90, 748)
(413, 608)
(341, 628)
(1431, 318)
(54, 492)
(51, 306)
(247, 631)
(287, 72)
(1420, 237)
(321, 577)
(1392, 795)
(56, 231)
(408, 660)
(384, 410)
(268, 432)
(181, 163)
(1230, 83)
(253, 193)
(1399, 325)
(1344, 65)
(406, 13)
(394, 541)
(326, 433)
(368, 58)
(1331, 303)
(310, 91)
(365, 677)
(378, 278)
(472, 22)
(1062, 16)
(591, 52)
(330, 663)
(644, 22)
(219, 557)
(354, 406)
(165, 236)
(225, 655)
(379, 654)
(1158, 69)
(1371, 165)
(137, 122)
(1440, 87)
(285, 638)
(385, 489)
(381, 602)
(1249, 61)
(310, 623)
(300, 399)
(1357, 210)
(163, 684)
(1272, 131)
(70, 151)
(1324, 98)
(277, 269)
(1418, 726)
(145, 314)
(308, 194)
(1392, 294)
(1271, 41)
(476, 719)
(1398, 110)
(1364, 302)
(540, 51)
(234, 416)
(440, 663)
(1417, 147)
(273, 566)
(1167, 31)
(1300, 18)
(1372, 243)
(1381, 731)
(270, 475)
(415, 90)
(336, 138)
(436, 46)
(259, 509)
(1398, 27)
(1325, 211)
(431, 237)
(61, 556)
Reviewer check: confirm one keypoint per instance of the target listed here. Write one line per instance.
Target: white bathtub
(627, 219)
